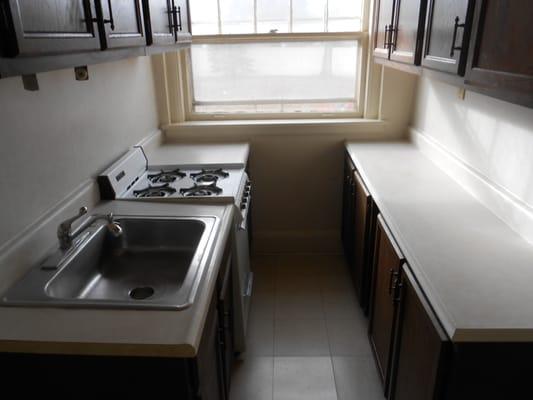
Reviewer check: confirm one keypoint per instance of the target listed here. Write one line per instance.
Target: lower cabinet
(358, 231)
(203, 377)
(421, 350)
(383, 312)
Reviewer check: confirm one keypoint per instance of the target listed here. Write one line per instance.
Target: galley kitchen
(267, 200)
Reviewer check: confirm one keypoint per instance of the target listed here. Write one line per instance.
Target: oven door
(243, 277)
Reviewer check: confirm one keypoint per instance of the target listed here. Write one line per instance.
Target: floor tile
(299, 305)
(340, 304)
(262, 304)
(295, 337)
(348, 337)
(260, 336)
(304, 378)
(252, 379)
(356, 378)
(293, 283)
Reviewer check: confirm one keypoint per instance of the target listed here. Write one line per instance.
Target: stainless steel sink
(157, 262)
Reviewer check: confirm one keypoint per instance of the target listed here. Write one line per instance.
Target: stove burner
(209, 175)
(155, 191)
(166, 176)
(201, 190)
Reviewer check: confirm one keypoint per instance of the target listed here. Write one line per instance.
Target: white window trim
(174, 83)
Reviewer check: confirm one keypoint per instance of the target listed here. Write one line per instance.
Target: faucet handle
(63, 231)
(69, 221)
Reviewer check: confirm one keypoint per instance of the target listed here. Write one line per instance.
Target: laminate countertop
(476, 272)
(166, 333)
(210, 155)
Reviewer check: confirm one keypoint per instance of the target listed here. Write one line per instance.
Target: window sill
(348, 127)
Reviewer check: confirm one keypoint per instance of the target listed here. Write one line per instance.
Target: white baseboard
(505, 204)
(297, 242)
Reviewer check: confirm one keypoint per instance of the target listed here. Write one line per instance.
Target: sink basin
(155, 263)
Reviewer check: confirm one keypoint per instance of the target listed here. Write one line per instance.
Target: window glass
(275, 77)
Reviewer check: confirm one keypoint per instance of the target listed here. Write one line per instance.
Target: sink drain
(141, 293)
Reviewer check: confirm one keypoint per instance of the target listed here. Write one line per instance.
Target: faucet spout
(66, 236)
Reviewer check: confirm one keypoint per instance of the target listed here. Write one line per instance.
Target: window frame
(182, 76)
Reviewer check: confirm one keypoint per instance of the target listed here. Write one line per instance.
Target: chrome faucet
(66, 236)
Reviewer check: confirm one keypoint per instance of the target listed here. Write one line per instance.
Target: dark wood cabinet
(383, 20)
(422, 348)
(347, 224)
(408, 31)
(387, 263)
(183, 23)
(364, 220)
(45, 27)
(500, 62)
(158, 17)
(167, 21)
(120, 23)
(448, 26)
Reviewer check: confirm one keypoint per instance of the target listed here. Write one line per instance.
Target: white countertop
(122, 332)
(476, 272)
(211, 155)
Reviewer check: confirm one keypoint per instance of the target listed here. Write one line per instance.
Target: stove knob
(243, 206)
(245, 200)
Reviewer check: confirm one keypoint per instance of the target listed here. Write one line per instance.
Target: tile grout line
(329, 342)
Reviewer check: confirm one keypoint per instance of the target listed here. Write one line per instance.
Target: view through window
(276, 56)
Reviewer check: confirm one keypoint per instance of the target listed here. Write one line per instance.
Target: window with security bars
(290, 57)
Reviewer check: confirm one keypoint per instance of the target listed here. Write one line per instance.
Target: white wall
(54, 139)
(486, 144)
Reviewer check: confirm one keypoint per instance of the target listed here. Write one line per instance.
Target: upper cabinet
(383, 17)
(121, 23)
(399, 30)
(167, 21)
(500, 62)
(448, 27)
(37, 36)
(408, 31)
(33, 28)
(487, 42)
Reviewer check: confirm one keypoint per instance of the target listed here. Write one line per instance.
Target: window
(298, 58)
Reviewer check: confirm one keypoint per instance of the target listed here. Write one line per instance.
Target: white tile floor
(307, 334)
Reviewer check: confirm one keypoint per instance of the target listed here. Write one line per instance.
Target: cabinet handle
(398, 295)
(456, 26)
(385, 43)
(393, 276)
(111, 19)
(179, 18)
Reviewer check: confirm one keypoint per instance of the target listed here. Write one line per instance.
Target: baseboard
(297, 242)
(503, 203)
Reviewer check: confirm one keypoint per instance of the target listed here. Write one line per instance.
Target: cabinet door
(348, 211)
(121, 22)
(225, 309)
(183, 22)
(34, 28)
(387, 262)
(448, 26)
(158, 22)
(408, 31)
(422, 349)
(363, 215)
(383, 19)
(500, 62)
(210, 384)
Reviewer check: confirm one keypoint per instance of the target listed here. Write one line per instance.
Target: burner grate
(201, 190)
(155, 191)
(209, 175)
(166, 176)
